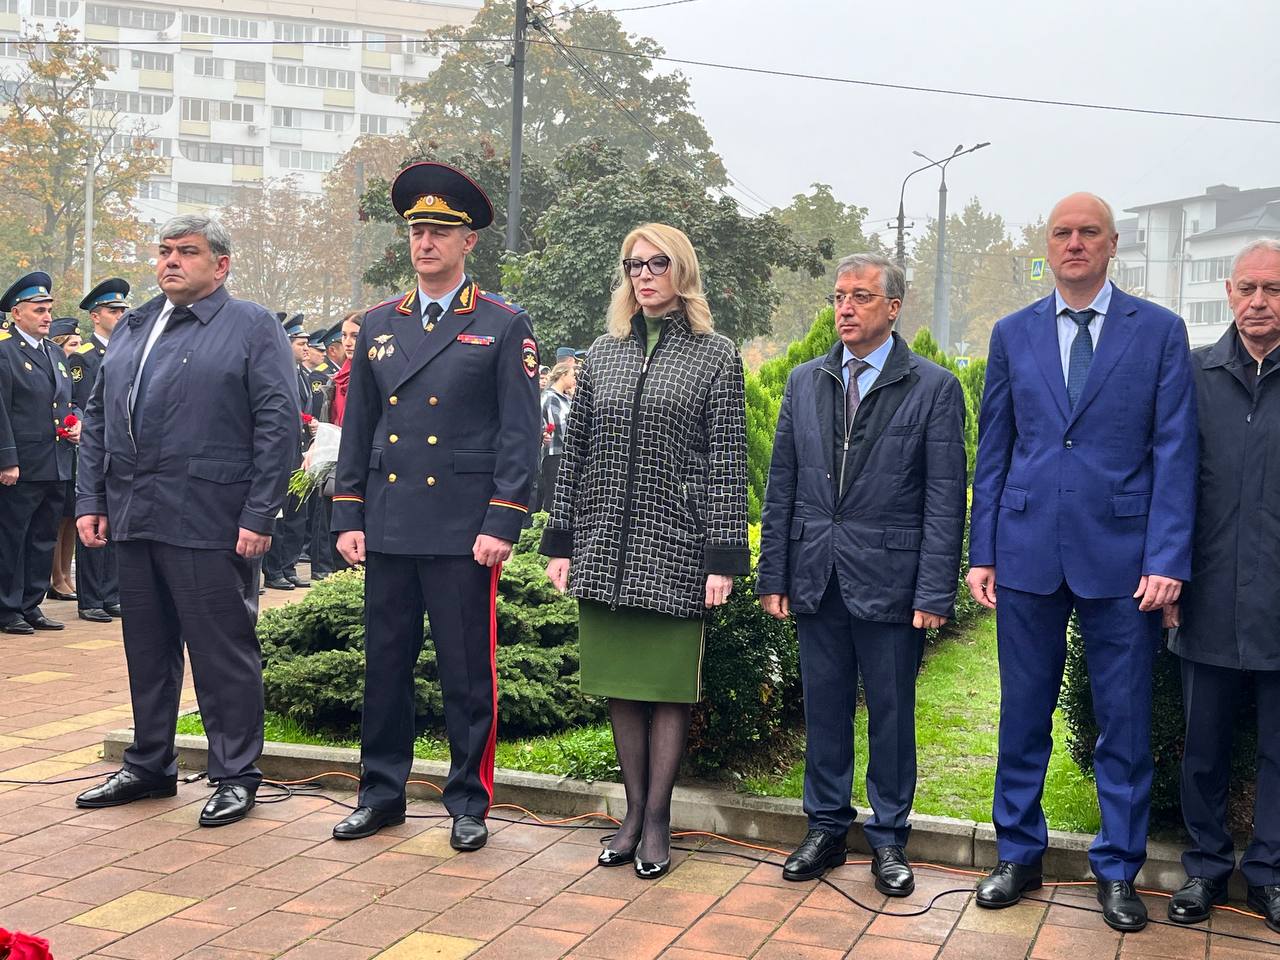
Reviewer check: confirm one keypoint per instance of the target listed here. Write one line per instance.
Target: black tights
(649, 739)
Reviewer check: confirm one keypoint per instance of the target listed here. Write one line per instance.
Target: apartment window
(1215, 268)
(11, 47)
(323, 77)
(383, 42)
(287, 32)
(148, 146)
(251, 72)
(227, 110)
(374, 124)
(204, 152)
(132, 17)
(312, 160)
(382, 83)
(153, 190)
(233, 111)
(211, 194)
(210, 67)
(195, 110)
(61, 9)
(147, 60)
(1142, 235)
(1132, 278)
(296, 119)
(121, 101)
(8, 6)
(110, 57)
(1205, 313)
(235, 27)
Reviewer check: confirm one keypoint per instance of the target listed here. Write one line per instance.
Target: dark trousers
(30, 512)
(550, 468)
(1120, 643)
(458, 596)
(835, 647)
(97, 579)
(206, 600)
(1209, 696)
(288, 537)
(324, 553)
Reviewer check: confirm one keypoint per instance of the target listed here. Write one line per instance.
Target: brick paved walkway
(144, 882)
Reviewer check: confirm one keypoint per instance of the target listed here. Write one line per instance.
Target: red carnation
(70, 420)
(551, 428)
(308, 418)
(23, 946)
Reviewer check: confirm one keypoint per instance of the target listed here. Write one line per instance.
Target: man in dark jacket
(860, 537)
(190, 433)
(1231, 607)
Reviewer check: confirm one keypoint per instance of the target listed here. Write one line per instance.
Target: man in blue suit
(1083, 499)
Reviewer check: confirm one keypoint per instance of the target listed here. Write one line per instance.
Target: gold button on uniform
(431, 440)
(393, 438)
(391, 478)
(433, 401)
(431, 481)
(393, 400)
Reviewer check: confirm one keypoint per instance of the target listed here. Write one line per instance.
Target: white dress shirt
(162, 321)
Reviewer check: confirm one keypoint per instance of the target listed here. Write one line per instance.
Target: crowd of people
(1119, 476)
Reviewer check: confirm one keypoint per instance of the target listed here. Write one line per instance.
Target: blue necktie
(1081, 355)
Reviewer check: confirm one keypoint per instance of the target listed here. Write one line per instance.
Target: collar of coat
(675, 321)
(464, 301)
(899, 363)
(204, 310)
(1227, 351)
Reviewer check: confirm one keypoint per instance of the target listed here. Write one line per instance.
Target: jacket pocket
(220, 471)
(1014, 498)
(899, 538)
(1131, 504)
(106, 464)
(475, 461)
(797, 528)
(375, 458)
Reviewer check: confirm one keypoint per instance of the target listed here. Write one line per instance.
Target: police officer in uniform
(315, 351)
(439, 445)
(331, 340)
(97, 581)
(35, 461)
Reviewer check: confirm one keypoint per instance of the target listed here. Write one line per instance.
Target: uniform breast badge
(385, 348)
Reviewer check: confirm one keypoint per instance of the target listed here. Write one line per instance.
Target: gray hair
(1269, 244)
(197, 224)
(893, 282)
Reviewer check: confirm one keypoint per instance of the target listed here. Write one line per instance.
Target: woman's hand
(558, 573)
(718, 589)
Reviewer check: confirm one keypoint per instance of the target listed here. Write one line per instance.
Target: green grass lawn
(957, 711)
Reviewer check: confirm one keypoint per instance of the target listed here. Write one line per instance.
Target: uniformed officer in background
(333, 353)
(279, 565)
(190, 434)
(315, 350)
(97, 580)
(439, 445)
(35, 461)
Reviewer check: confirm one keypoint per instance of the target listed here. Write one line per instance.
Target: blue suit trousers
(1120, 644)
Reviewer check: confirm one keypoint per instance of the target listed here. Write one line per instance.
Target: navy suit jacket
(35, 396)
(1101, 495)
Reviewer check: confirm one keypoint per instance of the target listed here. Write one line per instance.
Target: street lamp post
(942, 273)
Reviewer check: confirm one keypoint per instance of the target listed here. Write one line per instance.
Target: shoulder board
(86, 347)
(499, 302)
(5, 336)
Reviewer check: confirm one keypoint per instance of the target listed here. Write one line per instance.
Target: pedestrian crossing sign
(1037, 268)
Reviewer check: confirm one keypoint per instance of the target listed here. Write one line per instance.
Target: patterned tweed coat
(652, 491)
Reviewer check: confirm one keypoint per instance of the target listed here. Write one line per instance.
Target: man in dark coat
(435, 469)
(190, 434)
(97, 580)
(1230, 610)
(35, 458)
(860, 537)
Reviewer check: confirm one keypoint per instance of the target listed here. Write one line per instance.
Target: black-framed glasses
(657, 265)
(860, 297)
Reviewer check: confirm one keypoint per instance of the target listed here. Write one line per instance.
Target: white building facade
(1178, 253)
(238, 92)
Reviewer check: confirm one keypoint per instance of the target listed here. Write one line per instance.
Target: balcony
(96, 31)
(339, 98)
(286, 51)
(251, 89)
(155, 79)
(201, 42)
(243, 172)
(375, 59)
(198, 128)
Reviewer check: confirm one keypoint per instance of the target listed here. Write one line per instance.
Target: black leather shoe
(280, 583)
(818, 852)
(298, 582)
(893, 874)
(469, 833)
(614, 858)
(95, 614)
(39, 621)
(113, 609)
(53, 594)
(20, 627)
(652, 871)
(125, 786)
(1122, 909)
(1005, 885)
(365, 822)
(1196, 899)
(1266, 901)
(229, 803)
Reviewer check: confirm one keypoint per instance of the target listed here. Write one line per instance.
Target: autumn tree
(50, 135)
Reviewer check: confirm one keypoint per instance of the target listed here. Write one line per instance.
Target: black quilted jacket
(651, 496)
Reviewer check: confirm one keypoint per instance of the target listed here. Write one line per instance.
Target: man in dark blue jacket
(1084, 495)
(35, 459)
(860, 538)
(191, 431)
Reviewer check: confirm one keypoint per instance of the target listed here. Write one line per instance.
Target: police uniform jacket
(212, 448)
(35, 397)
(83, 366)
(440, 432)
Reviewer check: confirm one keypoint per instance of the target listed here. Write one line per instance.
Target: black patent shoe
(818, 852)
(1005, 885)
(298, 582)
(95, 614)
(894, 877)
(468, 833)
(53, 594)
(279, 583)
(125, 786)
(113, 609)
(614, 858)
(1196, 899)
(1122, 908)
(365, 822)
(39, 621)
(229, 803)
(1266, 901)
(652, 871)
(19, 626)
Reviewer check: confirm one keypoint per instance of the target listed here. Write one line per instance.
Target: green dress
(636, 654)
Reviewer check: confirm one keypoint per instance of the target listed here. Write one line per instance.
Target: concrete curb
(773, 820)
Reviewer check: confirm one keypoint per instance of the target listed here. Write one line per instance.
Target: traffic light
(1017, 270)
